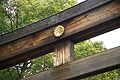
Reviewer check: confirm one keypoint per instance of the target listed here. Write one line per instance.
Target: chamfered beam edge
(52, 20)
(89, 66)
(82, 27)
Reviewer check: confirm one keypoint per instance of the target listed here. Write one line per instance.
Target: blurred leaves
(29, 11)
(88, 48)
(15, 14)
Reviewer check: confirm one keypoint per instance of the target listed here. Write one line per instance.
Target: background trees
(15, 14)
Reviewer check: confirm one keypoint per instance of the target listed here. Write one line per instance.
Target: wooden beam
(64, 52)
(53, 20)
(84, 26)
(83, 68)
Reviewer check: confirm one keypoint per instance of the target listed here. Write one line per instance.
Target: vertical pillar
(64, 52)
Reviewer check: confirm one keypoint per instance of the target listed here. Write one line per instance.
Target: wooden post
(63, 53)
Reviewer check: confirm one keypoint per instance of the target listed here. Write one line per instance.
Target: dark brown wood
(83, 68)
(64, 52)
(84, 26)
(52, 20)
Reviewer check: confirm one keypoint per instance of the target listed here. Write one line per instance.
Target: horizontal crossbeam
(53, 20)
(99, 16)
(83, 68)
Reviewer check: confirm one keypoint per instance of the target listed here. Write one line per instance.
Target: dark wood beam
(76, 70)
(52, 20)
(84, 26)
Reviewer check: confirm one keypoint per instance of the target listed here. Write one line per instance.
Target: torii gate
(81, 22)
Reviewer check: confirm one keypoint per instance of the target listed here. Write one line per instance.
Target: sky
(80, 1)
(110, 39)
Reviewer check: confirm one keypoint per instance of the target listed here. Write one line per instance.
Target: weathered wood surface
(53, 20)
(94, 22)
(64, 52)
(83, 68)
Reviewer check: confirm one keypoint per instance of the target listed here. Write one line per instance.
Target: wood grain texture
(84, 26)
(83, 68)
(52, 20)
(64, 52)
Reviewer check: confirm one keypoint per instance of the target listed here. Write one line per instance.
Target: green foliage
(18, 13)
(3, 23)
(29, 11)
(40, 64)
(87, 48)
(34, 10)
(111, 75)
(9, 74)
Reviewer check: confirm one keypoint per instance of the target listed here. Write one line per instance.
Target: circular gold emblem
(58, 31)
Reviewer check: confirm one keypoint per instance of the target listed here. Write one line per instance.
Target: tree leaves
(29, 11)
